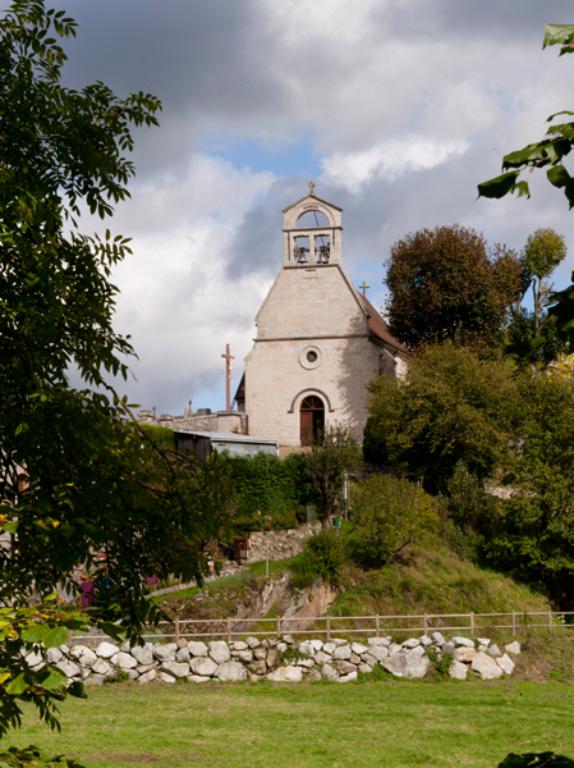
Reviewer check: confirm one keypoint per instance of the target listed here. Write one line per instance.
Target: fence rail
(472, 624)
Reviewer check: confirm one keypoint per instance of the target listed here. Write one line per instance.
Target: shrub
(389, 514)
(323, 557)
(269, 485)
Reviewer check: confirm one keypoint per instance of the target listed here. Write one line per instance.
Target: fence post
(472, 627)
(228, 630)
(328, 627)
(278, 627)
(177, 634)
(550, 621)
(425, 625)
(513, 624)
(377, 625)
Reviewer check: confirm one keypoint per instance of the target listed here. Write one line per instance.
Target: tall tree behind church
(447, 284)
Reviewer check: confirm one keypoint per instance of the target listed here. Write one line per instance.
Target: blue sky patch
(283, 159)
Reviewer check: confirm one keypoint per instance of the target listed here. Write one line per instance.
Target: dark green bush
(323, 557)
(275, 488)
(388, 514)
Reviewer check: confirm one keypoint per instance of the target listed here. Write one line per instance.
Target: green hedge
(275, 487)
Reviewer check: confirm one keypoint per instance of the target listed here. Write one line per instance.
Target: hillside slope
(433, 580)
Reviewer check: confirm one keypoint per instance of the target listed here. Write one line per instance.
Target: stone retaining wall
(280, 660)
(277, 545)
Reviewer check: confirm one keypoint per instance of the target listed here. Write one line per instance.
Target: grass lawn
(391, 723)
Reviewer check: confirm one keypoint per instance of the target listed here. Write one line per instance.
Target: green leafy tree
(389, 515)
(445, 284)
(562, 313)
(452, 407)
(544, 250)
(76, 477)
(534, 537)
(550, 151)
(323, 557)
(326, 465)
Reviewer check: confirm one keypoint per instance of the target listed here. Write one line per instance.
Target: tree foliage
(389, 515)
(452, 407)
(544, 250)
(534, 535)
(459, 421)
(323, 557)
(268, 486)
(445, 284)
(76, 478)
(326, 465)
(549, 152)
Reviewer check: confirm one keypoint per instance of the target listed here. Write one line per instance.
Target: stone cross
(311, 186)
(363, 288)
(228, 358)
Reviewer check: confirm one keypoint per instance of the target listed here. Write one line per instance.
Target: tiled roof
(379, 328)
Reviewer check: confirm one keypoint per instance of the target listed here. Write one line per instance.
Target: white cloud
(408, 104)
(175, 299)
(388, 160)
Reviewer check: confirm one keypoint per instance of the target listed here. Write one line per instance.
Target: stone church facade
(319, 342)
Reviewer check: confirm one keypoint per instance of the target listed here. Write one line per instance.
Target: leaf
(77, 689)
(54, 679)
(559, 34)
(523, 189)
(499, 185)
(17, 686)
(51, 637)
(558, 176)
(10, 527)
(523, 156)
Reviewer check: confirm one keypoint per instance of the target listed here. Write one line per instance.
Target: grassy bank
(387, 724)
(433, 580)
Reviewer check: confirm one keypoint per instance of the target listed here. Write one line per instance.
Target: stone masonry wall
(277, 545)
(279, 660)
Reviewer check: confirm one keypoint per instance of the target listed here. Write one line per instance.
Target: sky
(396, 109)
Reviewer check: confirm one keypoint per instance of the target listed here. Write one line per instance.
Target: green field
(395, 724)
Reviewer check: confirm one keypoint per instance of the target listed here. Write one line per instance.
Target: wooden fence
(327, 627)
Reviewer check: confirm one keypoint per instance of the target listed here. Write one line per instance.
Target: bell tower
(311, 232)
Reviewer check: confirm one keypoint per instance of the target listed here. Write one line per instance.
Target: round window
(310, 357)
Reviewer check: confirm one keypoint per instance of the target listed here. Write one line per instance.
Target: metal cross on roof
(363, 288)
(311, 186)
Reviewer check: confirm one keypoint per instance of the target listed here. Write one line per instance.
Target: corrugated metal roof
(228, 437)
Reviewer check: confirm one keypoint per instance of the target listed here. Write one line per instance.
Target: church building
(319, 342)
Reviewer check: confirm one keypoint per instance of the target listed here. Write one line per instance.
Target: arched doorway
(312, 420)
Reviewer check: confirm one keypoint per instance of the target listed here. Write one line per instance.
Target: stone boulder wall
(283, 660)
(276, 545)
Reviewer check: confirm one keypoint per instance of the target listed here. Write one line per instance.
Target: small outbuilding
(203, 443)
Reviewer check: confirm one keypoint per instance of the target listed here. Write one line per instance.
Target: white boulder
(165, 652)
(143, 654)
(219, 651)
(106, 650)
(289, 674)
(176, 668)
(123, 660)
(486, 666)
(148, 676)
(203, 666)
(458, 670)
(506, 664)
(231, 671)
(197, 648)
(83, 655)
